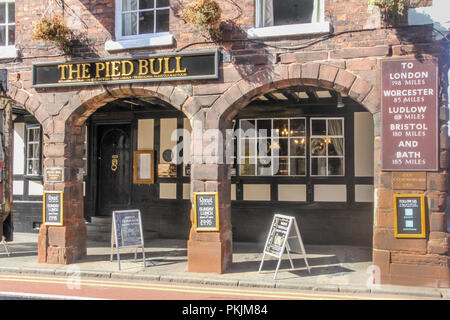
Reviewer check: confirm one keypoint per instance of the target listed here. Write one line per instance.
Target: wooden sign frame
(422, 233)
(216, 206)
(44, 205)
(136, 177)
(285, 244)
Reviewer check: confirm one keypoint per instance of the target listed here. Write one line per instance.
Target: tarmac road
(67, 288)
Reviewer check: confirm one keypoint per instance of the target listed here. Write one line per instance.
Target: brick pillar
(210, 251)
(65, 244)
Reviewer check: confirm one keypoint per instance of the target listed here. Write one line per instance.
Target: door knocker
(114, 162)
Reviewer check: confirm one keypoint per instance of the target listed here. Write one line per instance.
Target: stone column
(210, 251)
(65, 244)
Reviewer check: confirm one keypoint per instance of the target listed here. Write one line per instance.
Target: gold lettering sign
(164, 67)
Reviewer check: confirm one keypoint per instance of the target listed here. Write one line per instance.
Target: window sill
(158, 41)
(8, 52)
(289, 30)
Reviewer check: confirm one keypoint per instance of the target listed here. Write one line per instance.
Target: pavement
(343, 269)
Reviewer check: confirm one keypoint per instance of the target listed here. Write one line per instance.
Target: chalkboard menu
(52, 209)
(206, 210)
(128, 228)
(409, 216)
(277, 236)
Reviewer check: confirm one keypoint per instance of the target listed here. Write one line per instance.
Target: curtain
(267, 13)
(335, 129)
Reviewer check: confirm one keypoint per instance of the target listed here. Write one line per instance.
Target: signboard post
(52, 208)
(127, 231)
(277, 240)
(206, 211)
(409, 114)
(409, 215)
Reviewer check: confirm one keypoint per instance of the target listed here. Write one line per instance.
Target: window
(7, 23)
(272, 147)
(33, 152)
(327, 147)
(141, 24)
(140, 17)
(288, 17)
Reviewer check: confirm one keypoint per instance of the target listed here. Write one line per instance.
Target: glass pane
(146, 4)
(248, 147)
(280, 147)
(335, 127)
(298, 166)
(264, 147)
(335, 146)
(264, 128)
(297, 147)
(2, 13)
(247, 125)
(128, 5)
(146, 23)
(11, 35)
(281, 127)
(264, 167)
(318, 127)
(162, 3)
(318, 147)
(297, 127)
(292, 11)
(162, 20)
(281, 166)
(129, 24)
(335, 166)
(2, 36)
(318, 166)
(11, 12)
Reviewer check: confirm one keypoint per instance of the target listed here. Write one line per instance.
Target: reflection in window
(144, 17)
(7, 23)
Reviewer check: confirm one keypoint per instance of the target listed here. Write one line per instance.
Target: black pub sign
(206, 211)
(52, 208)
(158, 67)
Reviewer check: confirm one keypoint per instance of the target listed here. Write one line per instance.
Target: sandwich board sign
(127, 232)
(277, 240)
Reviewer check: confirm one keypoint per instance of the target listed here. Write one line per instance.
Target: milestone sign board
(160, 67)
(409, 215)
(52, 208)
(128, 228)
(206, 211)
(409, 112)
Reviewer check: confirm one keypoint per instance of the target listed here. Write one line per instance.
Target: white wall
(19, 148)
(363, 145)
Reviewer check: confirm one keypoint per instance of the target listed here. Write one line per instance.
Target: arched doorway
(307, 152)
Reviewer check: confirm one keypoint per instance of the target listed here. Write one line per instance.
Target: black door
(114, 168)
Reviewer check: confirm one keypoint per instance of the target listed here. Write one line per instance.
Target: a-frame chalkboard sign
(127, 232)
(277, 240)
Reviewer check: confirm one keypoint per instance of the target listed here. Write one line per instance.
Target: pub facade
(323, 110)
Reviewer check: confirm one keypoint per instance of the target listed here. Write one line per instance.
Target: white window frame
(326, 136)
(317, 26)
(8, 51)
(27, 146)
(157, 39)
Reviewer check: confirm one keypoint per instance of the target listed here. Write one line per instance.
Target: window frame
(8, 50)
(29, 127)
(119, 13)
(317, 26)
(326, 136)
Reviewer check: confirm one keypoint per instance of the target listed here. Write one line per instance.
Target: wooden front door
(114, 168)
